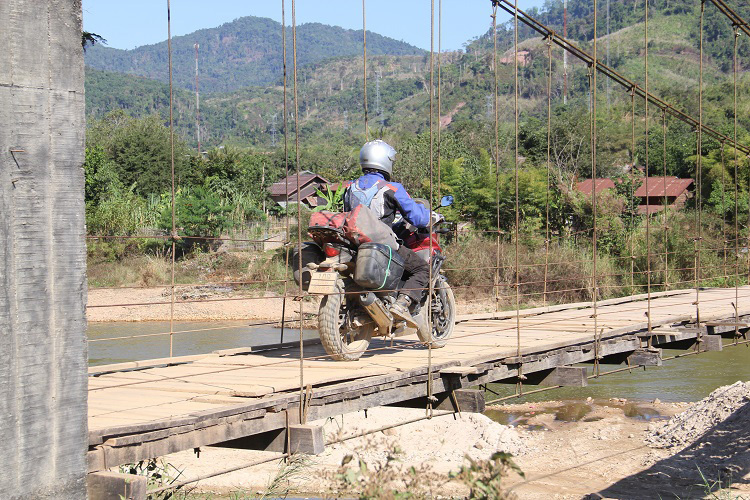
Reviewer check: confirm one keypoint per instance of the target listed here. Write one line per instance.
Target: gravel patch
(690, 425)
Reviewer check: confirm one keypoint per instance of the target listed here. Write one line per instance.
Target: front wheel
(341, 340)
(443, 310)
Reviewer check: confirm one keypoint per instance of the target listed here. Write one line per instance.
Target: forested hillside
(246, 51)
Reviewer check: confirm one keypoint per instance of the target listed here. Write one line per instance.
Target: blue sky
(130, 24)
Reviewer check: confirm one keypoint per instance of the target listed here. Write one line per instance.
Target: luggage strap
(388, 269)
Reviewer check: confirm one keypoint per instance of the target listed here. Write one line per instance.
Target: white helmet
(377, 155)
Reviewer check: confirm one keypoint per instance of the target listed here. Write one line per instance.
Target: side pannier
(379, 267)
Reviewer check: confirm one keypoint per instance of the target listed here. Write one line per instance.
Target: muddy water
(684, 379)
(117, 342)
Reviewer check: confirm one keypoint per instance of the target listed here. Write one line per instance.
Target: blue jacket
(386, 199)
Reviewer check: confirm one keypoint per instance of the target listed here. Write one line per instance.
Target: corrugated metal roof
(601, 185)
(663, 186)
(278, 188)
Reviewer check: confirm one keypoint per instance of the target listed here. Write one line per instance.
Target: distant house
(676, 191)
(285, 190)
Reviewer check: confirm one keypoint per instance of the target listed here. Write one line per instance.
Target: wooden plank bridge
(148, 409)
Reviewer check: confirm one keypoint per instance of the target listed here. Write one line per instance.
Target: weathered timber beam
(461, 400)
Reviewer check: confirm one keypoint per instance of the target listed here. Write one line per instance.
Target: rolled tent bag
(363, 226)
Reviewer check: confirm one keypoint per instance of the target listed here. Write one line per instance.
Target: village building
(285, 190)
(674, 190)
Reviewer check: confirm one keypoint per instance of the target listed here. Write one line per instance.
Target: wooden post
(307, 439)
(116, 486)
(463, 400)
(711, 343)
(646, 357)
(566, 376)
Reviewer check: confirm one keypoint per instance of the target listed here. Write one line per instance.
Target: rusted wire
(736, 33)
(665, 211)
(646, 165)
(286, 169)
(299, 213)
(518, 202)
(594, 247)
(171, 158)
(431, 289)
(364, 73)
(549, 164)
(699, 173)
(497, 149)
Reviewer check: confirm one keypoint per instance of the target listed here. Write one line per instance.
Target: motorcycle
(353, 310)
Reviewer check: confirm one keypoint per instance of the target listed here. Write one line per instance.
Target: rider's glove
(436, 218)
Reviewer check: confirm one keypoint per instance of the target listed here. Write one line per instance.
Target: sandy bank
(204, 303)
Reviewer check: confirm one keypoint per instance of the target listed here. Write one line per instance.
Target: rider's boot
(400, 310)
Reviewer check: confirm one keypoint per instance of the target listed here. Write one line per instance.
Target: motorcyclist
(375, 190)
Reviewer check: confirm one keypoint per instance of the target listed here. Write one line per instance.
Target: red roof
(656, 186)
(663, 186)
(601, 185)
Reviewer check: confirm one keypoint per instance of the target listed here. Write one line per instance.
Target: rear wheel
(443, 310)
(341, 340)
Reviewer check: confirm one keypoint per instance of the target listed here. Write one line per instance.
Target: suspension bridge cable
(736, 33)
(171, 158)
(646, 168)
(364, 59)
(549, 165)
(497, 156)
(699, 174)
(594, 248)
(518, 208)
(576, 51)
(431, 286)
(299, 215)
(666, 206)
(287, 242)
(633, 169)
(439, 99)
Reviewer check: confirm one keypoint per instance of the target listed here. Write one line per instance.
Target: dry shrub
(470, 268)
(154, 271)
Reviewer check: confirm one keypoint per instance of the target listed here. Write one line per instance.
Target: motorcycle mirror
(446, 201)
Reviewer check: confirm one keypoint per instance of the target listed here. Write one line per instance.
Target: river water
(685, 379)
(117, 342)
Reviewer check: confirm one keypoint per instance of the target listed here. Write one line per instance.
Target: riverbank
(609, 448)
(206, 302)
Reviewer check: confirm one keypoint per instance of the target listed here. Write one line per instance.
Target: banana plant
(334, 200)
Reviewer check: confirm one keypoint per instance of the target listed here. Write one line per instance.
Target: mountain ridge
(244, 52)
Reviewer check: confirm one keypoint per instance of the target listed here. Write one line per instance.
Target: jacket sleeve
(412, 211)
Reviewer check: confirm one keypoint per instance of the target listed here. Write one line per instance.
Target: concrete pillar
(43, 346)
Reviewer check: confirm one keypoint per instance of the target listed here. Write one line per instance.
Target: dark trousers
(417, 272)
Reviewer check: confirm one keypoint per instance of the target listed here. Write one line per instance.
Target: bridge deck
(152, 411)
